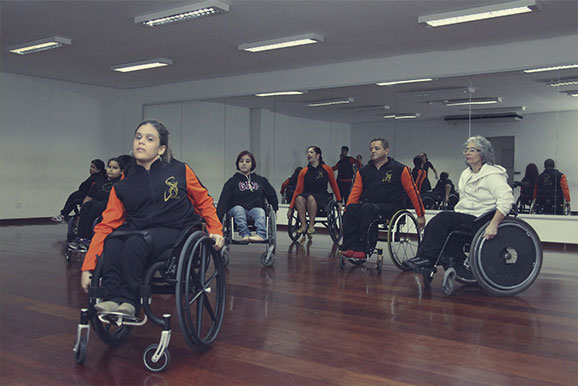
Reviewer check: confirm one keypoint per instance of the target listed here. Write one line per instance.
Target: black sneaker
(417, 264)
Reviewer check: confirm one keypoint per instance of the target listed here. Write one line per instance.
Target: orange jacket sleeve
(299, 187)
(202, 202)
(356, 191)
(564, 186)
(332, 182)
(112, 217)
(285, 185)
(412, 191)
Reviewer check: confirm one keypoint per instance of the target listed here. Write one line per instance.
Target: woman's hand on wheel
(491, 231)
(85, 278)
(219, 241)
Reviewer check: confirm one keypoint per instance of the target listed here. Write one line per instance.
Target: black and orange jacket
(385, 185)
(169, 195)
(344, 168)
(314, 180)
(418, 176)
(553, 185)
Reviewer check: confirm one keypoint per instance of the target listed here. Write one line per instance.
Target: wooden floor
(302, 322)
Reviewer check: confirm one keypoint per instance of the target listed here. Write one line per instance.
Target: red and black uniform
(312, 181)
(344, 169)
(419, 175)
(164, 200)
(377, 191)
(550, 191)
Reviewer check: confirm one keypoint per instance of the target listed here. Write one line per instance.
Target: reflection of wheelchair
(434, 201)
(267, 257)
(330, 217)
(193, 271)
(402, 237)
(505, 265)
(548, 206)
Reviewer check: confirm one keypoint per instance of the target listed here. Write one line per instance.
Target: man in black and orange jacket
(345, 171)
(380, 188)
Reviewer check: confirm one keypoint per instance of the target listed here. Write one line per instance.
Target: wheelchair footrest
(120, 319)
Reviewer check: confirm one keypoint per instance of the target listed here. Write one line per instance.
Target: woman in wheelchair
(483, 187)
(158, 194)
(95, 203)
(243, 196)
(311, 192)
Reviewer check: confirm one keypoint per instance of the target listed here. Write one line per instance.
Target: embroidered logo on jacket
(246, 185)
(173, 188)
(387, 177)
(320, 175)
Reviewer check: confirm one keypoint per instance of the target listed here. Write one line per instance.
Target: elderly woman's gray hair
(484, 146)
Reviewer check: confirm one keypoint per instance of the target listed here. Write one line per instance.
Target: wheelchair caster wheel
(80, 354)
(379, 265)
(448, 281)
(427, 277)
(161, 364)
(267, 260)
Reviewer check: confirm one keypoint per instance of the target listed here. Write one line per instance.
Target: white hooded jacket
(485, 190)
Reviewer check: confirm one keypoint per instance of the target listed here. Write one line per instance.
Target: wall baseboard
(26, 221)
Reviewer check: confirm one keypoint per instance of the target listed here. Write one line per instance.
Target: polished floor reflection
(302, 322)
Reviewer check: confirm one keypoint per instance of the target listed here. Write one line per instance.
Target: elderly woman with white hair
(483, 187)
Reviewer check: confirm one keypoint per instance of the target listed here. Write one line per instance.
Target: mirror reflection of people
(345, 171)
(158, 194)
(244, 196)
(359, 159)
(380, 188)
(289, 185)
(426, 166)
(483, 187)
(527, 185)
(418, 173)
(551, 193)
(311, 192)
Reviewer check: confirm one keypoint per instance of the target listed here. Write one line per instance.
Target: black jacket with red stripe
(388, 184)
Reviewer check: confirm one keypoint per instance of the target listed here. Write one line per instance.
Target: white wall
(537, 137)
(49, 133)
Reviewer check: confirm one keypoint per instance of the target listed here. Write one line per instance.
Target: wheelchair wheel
(510, 262)
(225, 254)
(403, 238)
(429, 203)
(161, 364)
(452, 201)
(80, 354)
(71, 229)
(200, 291)
(334, 222)
(292, 227)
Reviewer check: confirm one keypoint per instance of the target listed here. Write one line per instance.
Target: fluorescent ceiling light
(290, 41)
(573, 93)
(553, 68)
(142, 65)
(506, 109)
(563, 82)
(479, 13)
(180, 14)
(444, 92)
(475, 101)
(277, 93)
(404, 81)
(402, 116)
(39, 45)
(363, 109)
(328, 102)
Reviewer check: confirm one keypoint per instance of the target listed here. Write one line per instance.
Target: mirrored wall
(529, 117)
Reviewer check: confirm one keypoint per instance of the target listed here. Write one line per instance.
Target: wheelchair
(330, 217)
(268, 257)
(548, 206)
(431, 201)
(193, 271)
(503, 266)
(401, 235)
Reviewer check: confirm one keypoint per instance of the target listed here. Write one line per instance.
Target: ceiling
(103, 34)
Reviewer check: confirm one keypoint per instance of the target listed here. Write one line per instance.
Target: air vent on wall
(483, 117)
